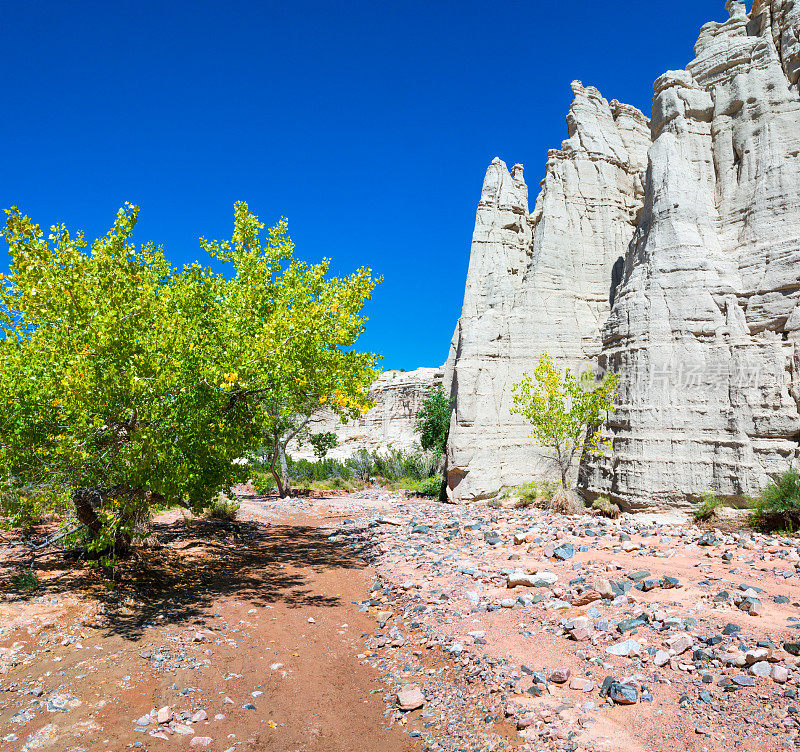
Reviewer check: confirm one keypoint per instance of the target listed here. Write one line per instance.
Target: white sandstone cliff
(398, 397)
(705, 329)
(539, 281)
(705, 324)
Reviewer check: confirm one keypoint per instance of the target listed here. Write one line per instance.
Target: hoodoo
(667, 251)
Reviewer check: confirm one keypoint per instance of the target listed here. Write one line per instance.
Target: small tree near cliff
(433, 421)
(566, 413)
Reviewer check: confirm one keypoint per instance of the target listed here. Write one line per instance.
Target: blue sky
(368, 125)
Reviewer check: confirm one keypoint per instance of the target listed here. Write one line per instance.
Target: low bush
(222, 509)
(334, 484)
(263, 483)
(603, 506)
(29, 507)
(528, 494)
(778, 507)
(399, 469)
(431, 486)
(537, 493)
(708, 507)
(26, 581)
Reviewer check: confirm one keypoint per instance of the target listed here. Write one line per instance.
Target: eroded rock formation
(705, 328)
(398, 397)
(684, 280)
(540, 281)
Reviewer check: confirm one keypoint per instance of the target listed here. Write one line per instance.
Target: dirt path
(247, 632)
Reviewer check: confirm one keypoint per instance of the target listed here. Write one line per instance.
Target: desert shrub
(391, 465)
(361, 465)
(395, 464)
(423, 464)
(708, 507)
(431, 487)
(304, 470)
(222, 508)
(21, 511)
(263, 483)
(548, 489)
(778, 507)
(334, 484)
(528, 494)
(494, 504)
(26, 507)
(603, 506)
(25, 581)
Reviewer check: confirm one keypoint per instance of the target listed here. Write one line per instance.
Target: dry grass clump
(565, 501)
(603, 506)
(222, 509)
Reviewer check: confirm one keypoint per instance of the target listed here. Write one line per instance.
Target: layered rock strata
(398, 397)
(705, 329)
(540, 281)
(685, 281)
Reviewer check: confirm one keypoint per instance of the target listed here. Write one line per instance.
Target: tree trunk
(286, 482)
(85, 501)
(280, 474)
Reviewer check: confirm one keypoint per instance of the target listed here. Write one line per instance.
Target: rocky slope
(683, 279)
(398, 397)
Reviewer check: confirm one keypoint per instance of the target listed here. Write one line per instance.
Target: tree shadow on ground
(193, 563)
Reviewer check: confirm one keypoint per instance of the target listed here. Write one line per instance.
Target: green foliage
(606, 508)
(222, 508)
(413, 471)
(334, 484)
(566, 412)
(127, 383)
(433, 421)
(548, 489)
(535, 493)
(528, 494)
(262, 483)
(322, 443)
(25, 581)
(396, 463)
(361, 465)
(708, 507)
(778, 507)
(432, 486)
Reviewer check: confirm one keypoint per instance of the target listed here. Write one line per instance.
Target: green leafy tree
(322, 443)
(433, 421)
(566, 412)
(290, 336)
(126, 382)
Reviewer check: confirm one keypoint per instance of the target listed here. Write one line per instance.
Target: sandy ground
(219, 620)
(294, 628)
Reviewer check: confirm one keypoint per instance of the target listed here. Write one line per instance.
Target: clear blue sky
(368, 124)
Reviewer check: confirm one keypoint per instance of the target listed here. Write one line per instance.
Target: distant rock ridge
(389, 424)
(667, 250)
